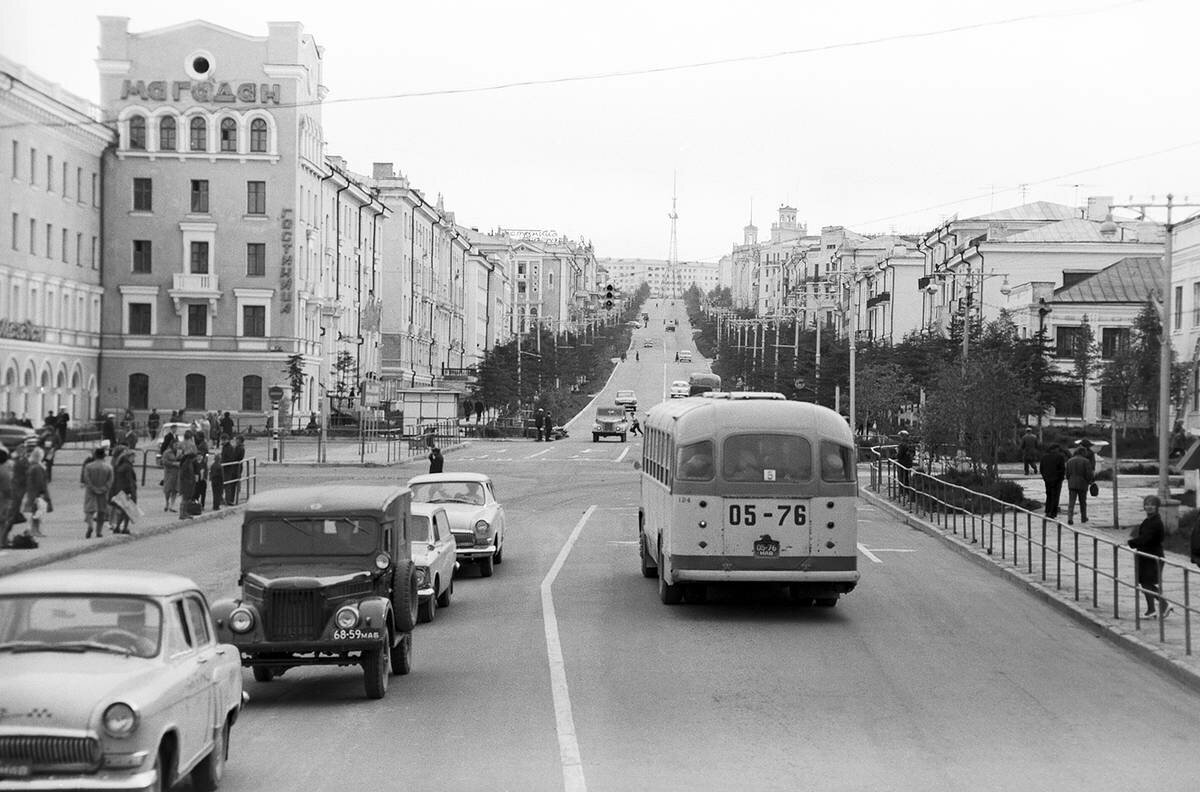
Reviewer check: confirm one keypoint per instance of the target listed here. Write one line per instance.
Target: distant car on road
(647, 345)
(433, 551)
(685, 356)
(112, 680)
(679, 389)
(627, 399)
(610, 421)
(476, 516)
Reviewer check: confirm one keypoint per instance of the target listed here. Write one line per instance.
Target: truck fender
(220, 614)
(376, 611)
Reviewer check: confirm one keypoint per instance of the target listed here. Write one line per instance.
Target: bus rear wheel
(649, 570)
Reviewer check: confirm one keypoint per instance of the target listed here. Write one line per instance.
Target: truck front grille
(295, 614)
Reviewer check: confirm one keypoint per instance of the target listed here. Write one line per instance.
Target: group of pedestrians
(1056, 466)
(188, 474)
(25, 477)
(544, 425)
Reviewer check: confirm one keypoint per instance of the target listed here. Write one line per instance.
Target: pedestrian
(37, 492)
(62, 421)
(1030, 452)
(539, 421)
(239, 454)
(905, 457)
(127, 419)
(1179, 440)
(108, 430)
(637, 355)
(130, 438)
(1088, 453)
(216, 478)
(49, 441)
(635, 428)
(170, 464)
(436, 461)
(549, 427)
(153, 421)
(1079, 478)
(96, 478)
(124, 481)
(187, 472)
(227, 424)
(1147, 540)
(7, 506)
(478, 411)
(1053, 466)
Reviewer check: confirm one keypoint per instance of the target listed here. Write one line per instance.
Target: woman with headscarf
(187, 472)
(36, 487)
(124, 480)
(170, 463)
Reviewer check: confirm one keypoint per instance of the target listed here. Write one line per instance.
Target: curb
(1111, 632)
(113, 540)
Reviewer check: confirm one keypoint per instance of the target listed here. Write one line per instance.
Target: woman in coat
(170, 463)
(187, 472)
(1148, 541)
(124, 480)
(36, 486)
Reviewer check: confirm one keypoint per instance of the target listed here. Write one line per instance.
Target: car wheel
(670, 594)
(428, 608)
(162, 761)
(595, 437)
(485, 566)
(207, 775)
(649, 568)
(498, 556)
(402, 655)
(263, 673)
(444, 598)
(622, 438)
(377, 667)
(404, 597)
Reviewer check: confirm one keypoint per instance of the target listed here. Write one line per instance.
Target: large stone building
(232, 242)
(50, 284)
(627, 274)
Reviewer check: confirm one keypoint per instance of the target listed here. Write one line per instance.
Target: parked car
(627, 399)
(679, 389)
(647, 345)
(112, 680)
(685, 356)
(14, 435)
(610, 422)
(476, 516)
(327, 578)
(433, 551)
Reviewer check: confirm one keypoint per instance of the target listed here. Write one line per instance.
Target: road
(933, 674)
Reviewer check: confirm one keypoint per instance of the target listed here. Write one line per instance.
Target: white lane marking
(892, 550)
(624, 541)
(538, 453)
(568, 744)
(623, 453)
(862, 549)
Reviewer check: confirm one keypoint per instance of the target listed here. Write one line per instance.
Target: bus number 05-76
(748, 515)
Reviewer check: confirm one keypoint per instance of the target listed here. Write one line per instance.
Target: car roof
(328, 500)
(137, 582)
(429, 478)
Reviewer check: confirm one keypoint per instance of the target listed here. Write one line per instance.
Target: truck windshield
(610, 412)
(306, 536)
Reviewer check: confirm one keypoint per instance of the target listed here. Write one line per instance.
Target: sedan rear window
(449, 492)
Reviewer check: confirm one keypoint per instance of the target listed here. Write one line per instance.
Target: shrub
(1003, 490)
(1135, 469)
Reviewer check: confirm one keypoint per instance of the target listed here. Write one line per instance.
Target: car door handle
(202, 659)
(221, 651)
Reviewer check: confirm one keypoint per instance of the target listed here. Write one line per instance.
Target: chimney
(114, 38)
(382, 170)
(1099, 207)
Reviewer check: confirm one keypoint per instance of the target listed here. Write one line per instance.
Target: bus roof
(696, 419)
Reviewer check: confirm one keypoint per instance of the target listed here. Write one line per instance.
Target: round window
(199, 65)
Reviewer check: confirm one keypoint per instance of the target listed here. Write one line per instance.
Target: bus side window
(696, 462)
(836, 462)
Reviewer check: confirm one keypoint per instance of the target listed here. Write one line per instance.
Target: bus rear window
(696, 462)
(837, 462)
(766, 457)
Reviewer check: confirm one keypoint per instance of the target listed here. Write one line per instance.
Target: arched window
(198, 135)
(228, 134)
(194, 398)
(258, 136)
(139, 391)
(166, 134)
(252, 393)
(137, 133)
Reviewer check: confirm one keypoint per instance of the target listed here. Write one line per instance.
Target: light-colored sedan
(112, 679)
(679, 389)
(433, 552)
(476, 516)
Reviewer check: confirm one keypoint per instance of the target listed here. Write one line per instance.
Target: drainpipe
(104, 155)
(322, 400)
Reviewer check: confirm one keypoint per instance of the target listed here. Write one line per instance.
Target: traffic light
(608, 296)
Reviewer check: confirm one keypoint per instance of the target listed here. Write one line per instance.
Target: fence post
(1043, 549)
(1117, 589)
(1075, 536)
(1058, 556)
(1187, 614)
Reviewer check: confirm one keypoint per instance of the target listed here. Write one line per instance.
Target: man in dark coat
(153, 421)
(109, 430)
(228, 454)
(1030, 452)
(227, 424)
(549, 428)
(539, 421)
(1148, 541)
(1054, 470)
(1079, 478)
(436, 461)
(61, 422)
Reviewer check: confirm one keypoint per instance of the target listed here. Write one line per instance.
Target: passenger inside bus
(767, 458)
(696, 463)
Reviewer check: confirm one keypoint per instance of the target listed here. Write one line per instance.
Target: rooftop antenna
(1024, 188)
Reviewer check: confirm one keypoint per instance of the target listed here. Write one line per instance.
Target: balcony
(878, 299)
(188, 286)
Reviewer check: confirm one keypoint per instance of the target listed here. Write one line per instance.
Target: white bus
(748, 491)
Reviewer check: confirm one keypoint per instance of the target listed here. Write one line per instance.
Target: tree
(881, 389)
(1119, 379)
(295, 374)
(1084, 359)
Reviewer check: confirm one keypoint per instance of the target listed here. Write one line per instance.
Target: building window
(1065, 341)
(252, 393)
(143, 195)
(256, 259)
(256, 197)
(16, 147)
(199, 258)
(79, 185)
(141, 256)
(254, 321)
(137, 133)
(139, 392)
(198, 135)
(95, 189)
(33, 166)
(228, 134)
(200, 196)
(95, 258)
(1178, 308)
(258, 136)
(1196, 303)
(66, 172)
(197, 319)
(49, 240)
(194, 387)
(49, 173)
(66, 237)
(79, 249)
(16, 222)
(166, 134)
(139, 318)
(1112, 341)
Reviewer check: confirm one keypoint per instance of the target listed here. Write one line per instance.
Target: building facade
(50, 248)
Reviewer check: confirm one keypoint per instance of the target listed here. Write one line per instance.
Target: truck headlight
(382, 560)
(595, 427)
(120, 720)
(241, 620)
(481, 530)
(346, 617)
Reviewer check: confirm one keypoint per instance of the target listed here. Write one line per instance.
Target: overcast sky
(1067, 97)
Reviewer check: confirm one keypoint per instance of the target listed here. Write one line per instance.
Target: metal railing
(1082, 563)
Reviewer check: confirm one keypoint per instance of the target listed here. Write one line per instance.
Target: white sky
(887, 136)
